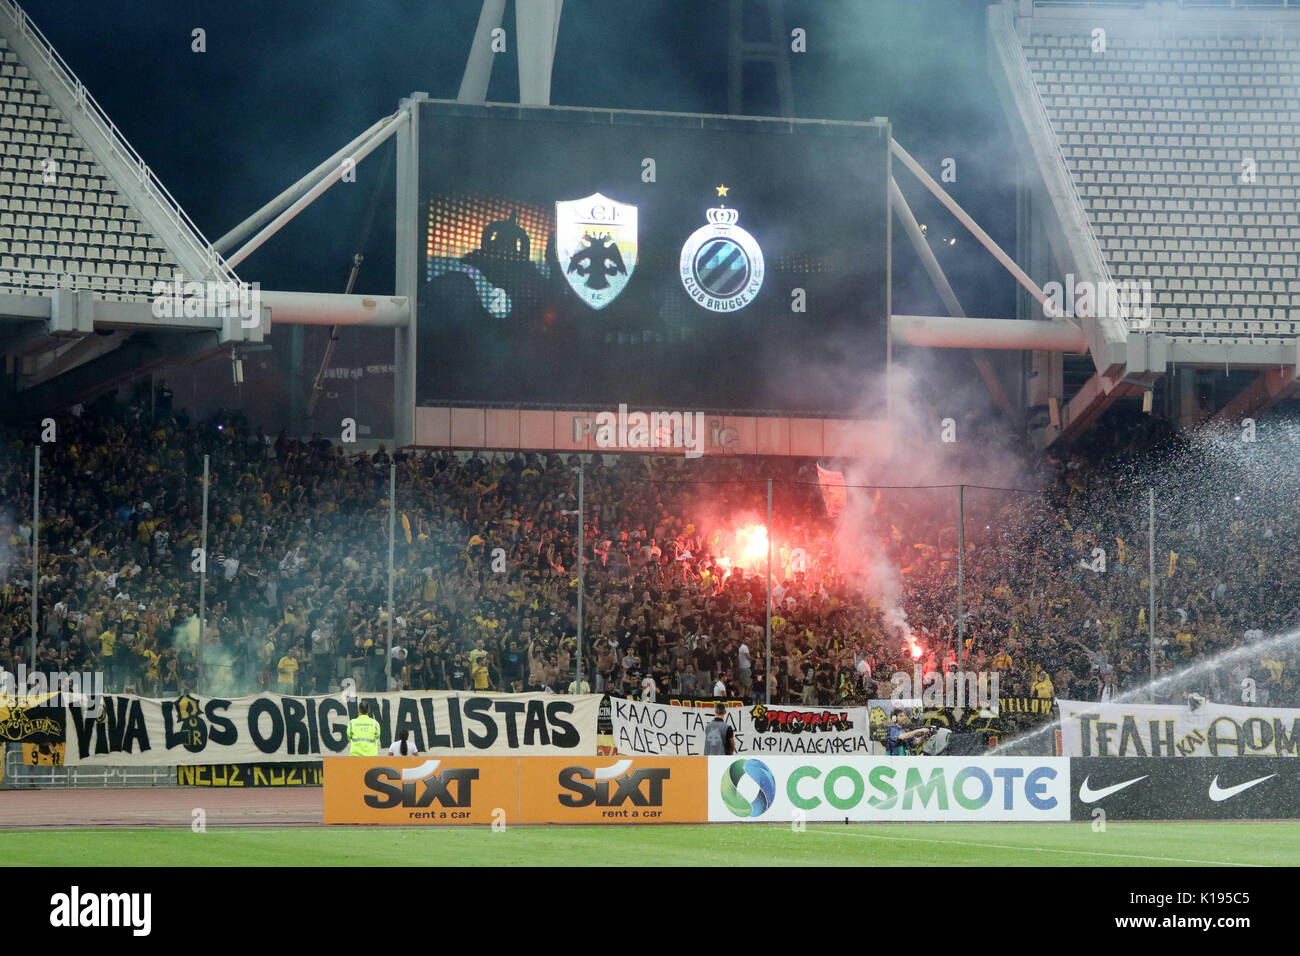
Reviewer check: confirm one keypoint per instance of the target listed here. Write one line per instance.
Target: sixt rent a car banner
(1177, 730)
(612, 790)
(432, 791)
(777, 789)
(420, 791)
(139, 731)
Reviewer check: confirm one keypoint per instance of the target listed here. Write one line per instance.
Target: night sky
(282, 85)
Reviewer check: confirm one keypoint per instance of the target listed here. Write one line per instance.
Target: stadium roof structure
(1158, 146)
(90, 241)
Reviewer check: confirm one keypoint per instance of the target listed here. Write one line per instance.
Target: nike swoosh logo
(1218, 793)
(1089, 795)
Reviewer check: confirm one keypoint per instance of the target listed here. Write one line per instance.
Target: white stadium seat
(1154, 135)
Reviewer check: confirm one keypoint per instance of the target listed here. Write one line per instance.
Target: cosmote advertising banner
(778, 789)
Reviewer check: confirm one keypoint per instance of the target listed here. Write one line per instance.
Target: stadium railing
(19, 775)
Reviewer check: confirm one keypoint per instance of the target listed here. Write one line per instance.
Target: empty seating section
(1184, 152)
(62, 219)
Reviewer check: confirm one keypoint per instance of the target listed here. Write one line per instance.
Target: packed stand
(486, 572)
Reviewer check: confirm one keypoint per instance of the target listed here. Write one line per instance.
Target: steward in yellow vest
(363, 731)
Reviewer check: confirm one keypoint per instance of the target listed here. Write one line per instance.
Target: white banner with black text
(140, 731)
(664, 729)
(1176, 730)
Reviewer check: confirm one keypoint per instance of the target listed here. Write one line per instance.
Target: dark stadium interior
(665, 380)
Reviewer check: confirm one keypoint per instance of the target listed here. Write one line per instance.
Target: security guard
(719, 738)
(363, 731)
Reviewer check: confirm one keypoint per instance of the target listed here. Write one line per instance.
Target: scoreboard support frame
(407, 236)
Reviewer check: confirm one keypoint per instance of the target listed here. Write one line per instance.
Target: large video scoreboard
(578, 257)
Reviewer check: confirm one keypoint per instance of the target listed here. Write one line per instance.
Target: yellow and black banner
(1037, 706)
(251, 775)
(43, 755)
(704, 702)
(31, 719)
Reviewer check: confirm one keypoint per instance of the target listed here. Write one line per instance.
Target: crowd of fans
(486, 583)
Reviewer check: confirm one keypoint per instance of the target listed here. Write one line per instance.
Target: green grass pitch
(939, 844)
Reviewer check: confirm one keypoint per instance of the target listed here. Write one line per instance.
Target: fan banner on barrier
(1177, 730)
(43, 755)
(250, 775)
(30, 720)
(707, 702)
(141, 732)
(662, 729)
(1013, 715)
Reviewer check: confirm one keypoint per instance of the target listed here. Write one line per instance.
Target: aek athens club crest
(721, 264)
(595, 241)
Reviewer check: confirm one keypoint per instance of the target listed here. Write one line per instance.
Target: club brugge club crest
(595, 241)
(722, 265)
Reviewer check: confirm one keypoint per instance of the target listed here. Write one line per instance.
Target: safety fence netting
(290, 563)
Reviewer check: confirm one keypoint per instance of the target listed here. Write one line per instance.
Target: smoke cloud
(937, 437)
